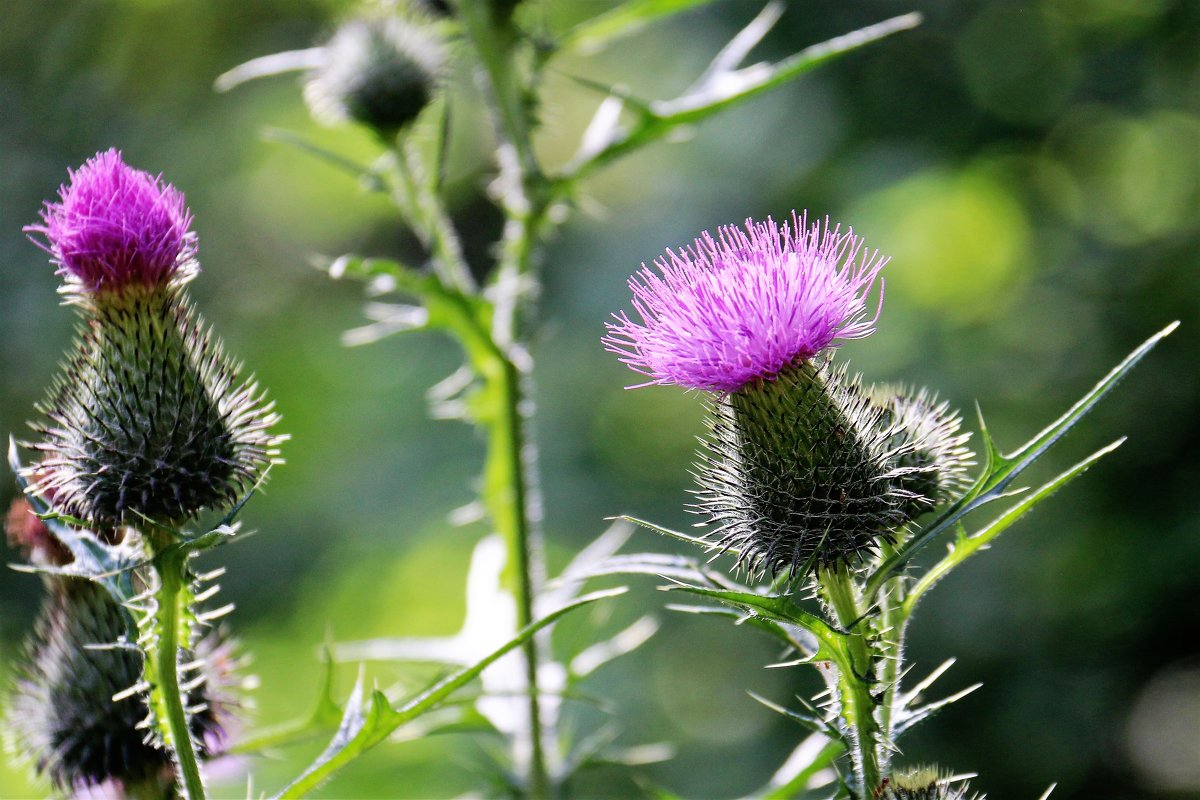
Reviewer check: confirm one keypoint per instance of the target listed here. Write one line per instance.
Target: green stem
(893, 625)
(508, 483)
(858, 706)
(429, 220)
(496, 41)
(171, 601)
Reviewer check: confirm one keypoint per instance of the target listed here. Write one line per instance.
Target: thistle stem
(163, 665)
(496, 41)
(508, 479)
(858, 706)
(429, 219)
(891, 657)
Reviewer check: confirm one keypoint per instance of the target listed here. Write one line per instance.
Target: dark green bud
(149, 418)
(800, 472)
(378, 72)
(62, 715)
(929, 446)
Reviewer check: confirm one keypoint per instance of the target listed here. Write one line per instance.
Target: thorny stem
(858, 706)
(891, 663)
(507, 468)
(162, 665)
(429, 219)
(893, 623)
(521, 185)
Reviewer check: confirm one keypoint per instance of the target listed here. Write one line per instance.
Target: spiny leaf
(811, 756)
(467, 317)
(810, 721)
(269, 66)
(787, 634)
(965, 547)
(781, 610)
(363, 729)
(370, 178)
(325, 715)
(1000, 470)
(725, 89)
(912, 717)
(594, 34)
(683, 537)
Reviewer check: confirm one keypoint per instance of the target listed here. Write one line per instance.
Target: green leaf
(966, 546)
(912, 716)
(270, 66)
(779, 609)
(811, 720)
(324, 716)
(366, 724)
(683, 537)
(720, 89)
(626, 19)
(1000, 470)
(467, 317)
(370, 178)
(784, 633)
(794, 776)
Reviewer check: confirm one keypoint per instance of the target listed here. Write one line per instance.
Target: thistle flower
(149, 418)
(747, 305)
(116, 227)
(62, 713)
(799, 470)
(380, 72)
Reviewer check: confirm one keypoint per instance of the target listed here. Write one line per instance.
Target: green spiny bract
(802, 471)
(928, 444)
(924, 783)
(149, 419)
(62, 714)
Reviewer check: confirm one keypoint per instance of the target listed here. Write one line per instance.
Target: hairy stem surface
(858, 706)
(162, 667)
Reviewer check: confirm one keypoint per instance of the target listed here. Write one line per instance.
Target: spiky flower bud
(62, 715)
(929, 446)
(149, 418)
(116, 227)
(799, 472)
(924, 783)
(379, 72)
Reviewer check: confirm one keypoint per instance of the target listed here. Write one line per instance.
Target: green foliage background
(1033, 168)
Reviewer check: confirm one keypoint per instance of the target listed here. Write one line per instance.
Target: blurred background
(1033, 169)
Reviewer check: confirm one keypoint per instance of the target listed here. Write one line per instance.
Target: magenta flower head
(117, 226)
(747, 305)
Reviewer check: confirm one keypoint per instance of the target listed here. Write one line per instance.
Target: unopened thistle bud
(924, 783)
(798, 469)
(62, 714)
(149, 418)
(929, 446)
(379, 72)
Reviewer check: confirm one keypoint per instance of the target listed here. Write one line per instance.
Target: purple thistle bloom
(726, 312)
(117, 226)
